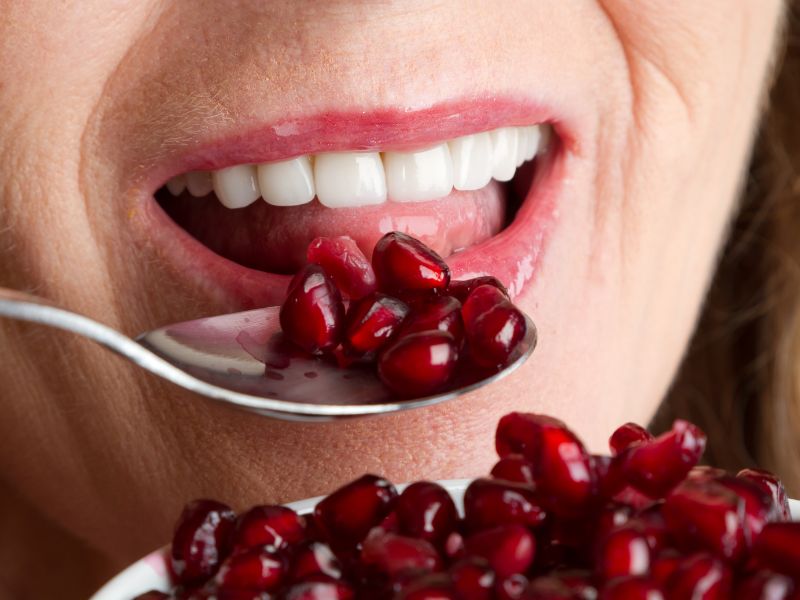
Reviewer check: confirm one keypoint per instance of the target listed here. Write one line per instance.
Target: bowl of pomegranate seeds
(551, 521)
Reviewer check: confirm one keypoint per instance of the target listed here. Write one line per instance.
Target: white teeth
(419, 176)
(236, 187)
(504, 153)
(287, 183)
(349, 179)
(176, 185)
(472, 161)
(199, 183)
(534, 138)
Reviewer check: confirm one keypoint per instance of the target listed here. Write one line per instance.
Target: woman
(654, 108)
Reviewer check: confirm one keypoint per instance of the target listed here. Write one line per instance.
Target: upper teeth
(345, 179)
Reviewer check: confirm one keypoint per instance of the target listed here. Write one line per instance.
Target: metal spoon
(242, 359)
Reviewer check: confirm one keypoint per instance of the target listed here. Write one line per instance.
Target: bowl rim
(150, 572)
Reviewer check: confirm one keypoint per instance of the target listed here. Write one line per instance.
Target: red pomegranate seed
(492, 502)
(460, 290)
(623, 552)
(454, 546)
(342, 259)
(439, 312)
(418, 364)
(655, 467)
(765, 585)
(664, 565)
(318, 587)
(312, 316)
(252, 569)
(758, 506)
(633, 588)
(200, 542)
(345, 517)
(778, 547)
(773, 486)
(274, 526)
(562, 466)
(609, 475)
(495, 335)
(626, 436)
(371, 322)
(512, 587)
(708, 515)
(402, 263)
(513, 468)
(607, 519)
(509, 548)
(480, 301)
(651, 523)
(393, 555)
(473, 579)
(701, 577)
(425, 510)
(315, 558)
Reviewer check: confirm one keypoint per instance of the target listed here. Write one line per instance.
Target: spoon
(242, 359)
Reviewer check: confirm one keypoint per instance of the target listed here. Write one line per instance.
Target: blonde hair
(740, 378)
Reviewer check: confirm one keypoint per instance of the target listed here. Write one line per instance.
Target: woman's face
(653, 105)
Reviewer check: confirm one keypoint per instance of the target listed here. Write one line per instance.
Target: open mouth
(482, 200)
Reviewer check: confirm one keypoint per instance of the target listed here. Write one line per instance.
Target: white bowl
(150, 573)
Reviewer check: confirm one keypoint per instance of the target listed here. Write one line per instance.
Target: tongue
(274, 239)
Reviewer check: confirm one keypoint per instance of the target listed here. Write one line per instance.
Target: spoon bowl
(242, 359)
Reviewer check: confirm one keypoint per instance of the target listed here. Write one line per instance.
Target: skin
(96, 457)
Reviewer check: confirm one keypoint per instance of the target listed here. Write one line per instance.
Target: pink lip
(513, 255)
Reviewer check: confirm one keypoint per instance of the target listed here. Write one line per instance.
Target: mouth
(478, 186)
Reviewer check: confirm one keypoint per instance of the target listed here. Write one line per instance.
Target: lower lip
(513, 255)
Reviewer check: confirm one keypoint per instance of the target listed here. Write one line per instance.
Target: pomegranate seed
(508, 548)
(312, 316)
(200, 542)
(623, 552)
(425, 510)
(758, 506)
(626, 436)
(703, 577)
(632, 497)
(511, 588)
(562, 586)
(346, 516)
(454, 546)
(492, 502)
(473, 579)
(650, 522)
(342, 259)
(562, 467)
(778, 547)
(663, 566)
(318, 587)
(393, 555)
(608, 519)
(633, 588)
(419, 364)
(460, 290)
(707, 514)
(495, 335)
(439, 312)
(609, 475)
(371, 322)
(655, 467)
(480, 301)
(252, 569)
(513, 468)
(765, 585)
(274, 526)
(402, 263)
(315, 558)
(773, 486)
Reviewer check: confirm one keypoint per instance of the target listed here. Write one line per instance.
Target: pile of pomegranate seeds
(404, 314)
(551, 522)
